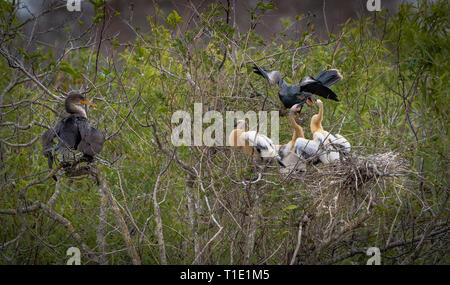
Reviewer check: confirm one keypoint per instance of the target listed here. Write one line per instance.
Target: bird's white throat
(80, 110)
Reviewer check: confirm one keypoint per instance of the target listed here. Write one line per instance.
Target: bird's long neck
(75, 109)
(236, 139)
(274, 77)
(298, 130)
(316, 120)
(282, 83)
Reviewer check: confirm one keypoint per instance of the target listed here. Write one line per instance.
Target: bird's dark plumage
(310, 85)
(300, 93)
(73, 133)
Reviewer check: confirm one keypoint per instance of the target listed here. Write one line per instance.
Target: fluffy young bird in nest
(334, 143)
(253, 143)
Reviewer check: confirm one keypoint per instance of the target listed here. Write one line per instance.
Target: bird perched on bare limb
(73, 133)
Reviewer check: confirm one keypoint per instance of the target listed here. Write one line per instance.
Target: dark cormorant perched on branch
(303, 92)
(73, 133)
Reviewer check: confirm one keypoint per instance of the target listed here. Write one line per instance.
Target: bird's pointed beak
(86, 102)
(310, 101)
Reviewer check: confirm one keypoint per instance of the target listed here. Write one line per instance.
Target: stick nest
(354, 171)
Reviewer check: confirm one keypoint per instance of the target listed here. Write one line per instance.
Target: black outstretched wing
(311, 85)
(92, 140)
(329, 77)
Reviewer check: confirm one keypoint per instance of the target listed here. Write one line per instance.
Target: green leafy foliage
(394, 97)
(173, 19)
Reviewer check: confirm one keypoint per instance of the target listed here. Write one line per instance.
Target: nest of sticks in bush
(355, 171)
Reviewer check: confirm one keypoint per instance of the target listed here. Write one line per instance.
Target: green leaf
(173, 19)
(67, 68)
(290, 208)
(265, 7)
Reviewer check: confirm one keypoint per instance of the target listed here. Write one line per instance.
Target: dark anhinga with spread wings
(302, 92)
(73, 133)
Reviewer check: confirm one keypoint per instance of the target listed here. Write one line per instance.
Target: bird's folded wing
(306, 148)
(261, 143)
(47, 138)
(258, 140)
(342, 143)
(47, 142)
(92, 140)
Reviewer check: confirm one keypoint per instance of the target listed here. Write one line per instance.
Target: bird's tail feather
(329, 77)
